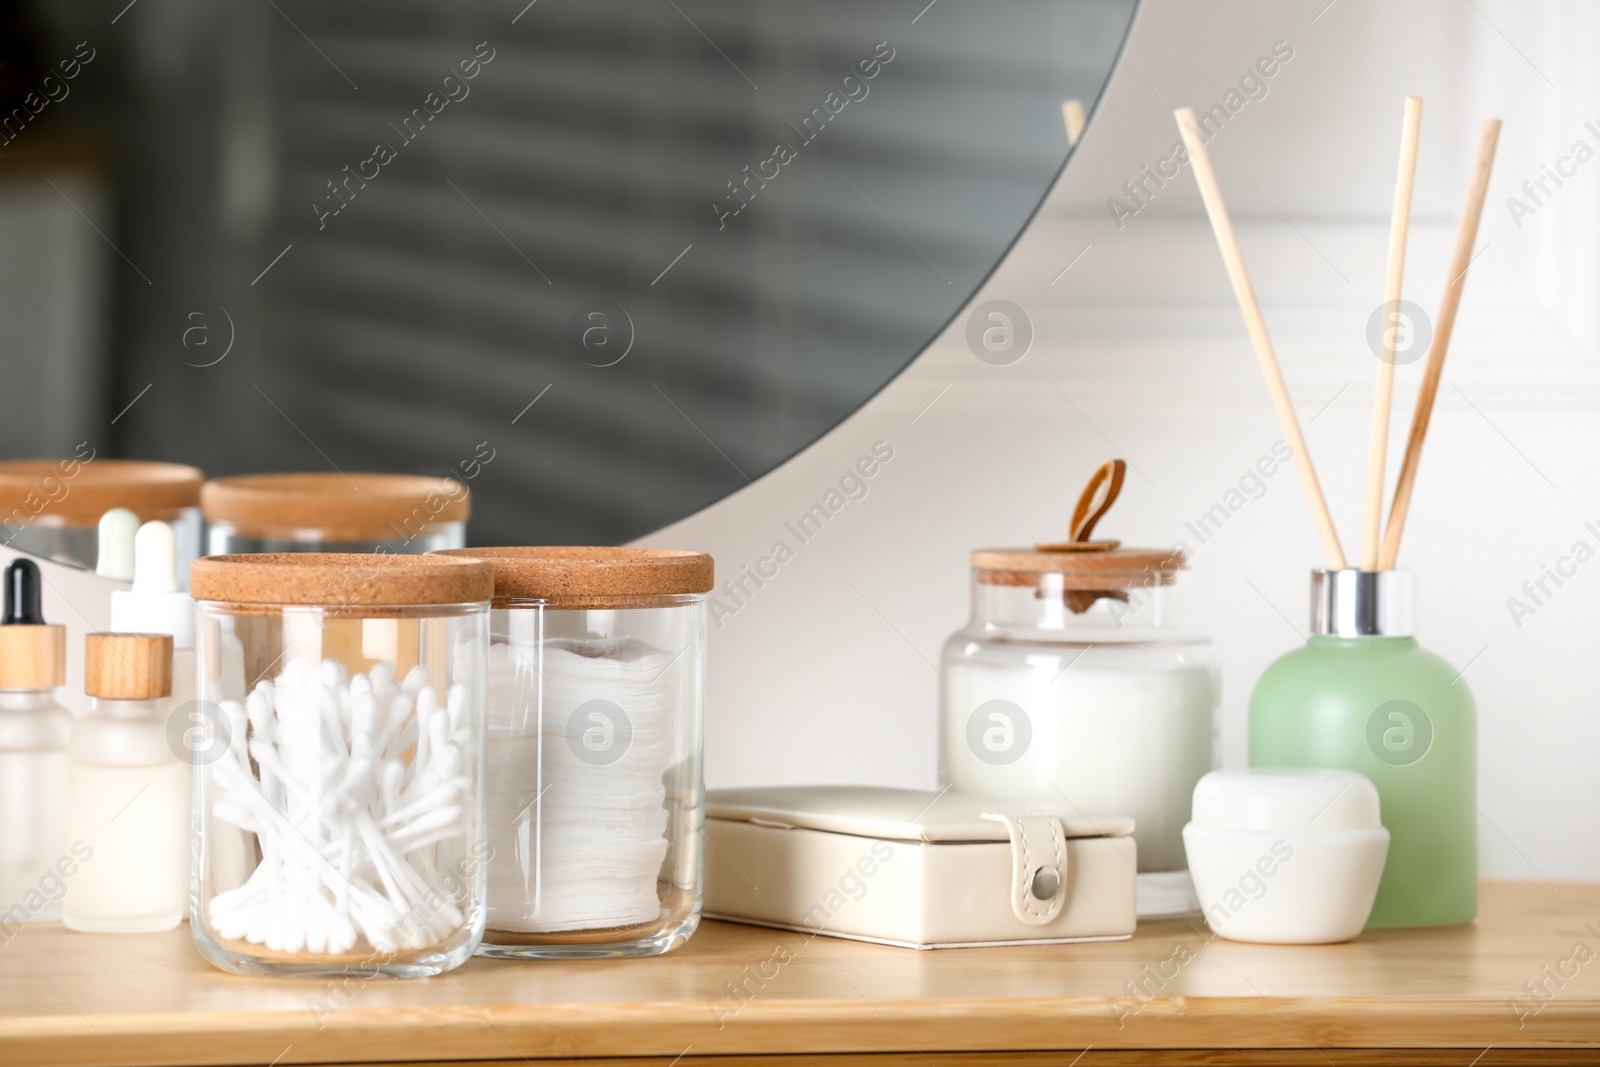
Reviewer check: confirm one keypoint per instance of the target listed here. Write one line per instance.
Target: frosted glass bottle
(33, 757)
(127, 793)
(1364, 696)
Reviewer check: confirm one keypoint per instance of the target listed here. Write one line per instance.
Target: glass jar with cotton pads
(597, 692)
(1286, 856)
(53, 507)
(339, 762)
(1075, 683)
(405, 514)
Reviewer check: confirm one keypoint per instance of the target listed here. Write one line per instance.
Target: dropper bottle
(127, 793)
(156, 605)
(34, 730)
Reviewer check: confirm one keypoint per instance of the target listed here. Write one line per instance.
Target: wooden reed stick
(1072, 115)
(1443, 325)
(1394, 275)
(1233, 259)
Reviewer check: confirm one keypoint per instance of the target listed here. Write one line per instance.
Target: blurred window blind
(582, 164)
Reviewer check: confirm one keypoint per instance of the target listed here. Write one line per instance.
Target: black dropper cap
(22, 594)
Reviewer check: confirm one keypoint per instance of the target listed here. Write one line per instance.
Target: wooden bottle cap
(573, 572)
(340, 579)
(33, 656)
(128, 666)
(78, 492)
(339, 507)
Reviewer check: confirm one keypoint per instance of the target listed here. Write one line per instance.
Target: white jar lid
(1313, 799)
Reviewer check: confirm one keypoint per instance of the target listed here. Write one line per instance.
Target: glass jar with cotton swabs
(340, 779)
(597, 681)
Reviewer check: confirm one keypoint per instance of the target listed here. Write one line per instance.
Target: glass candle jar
(330, 512)
(52, 507)
(339, 762)
(1362, 695)
(597, 692)
(1073, 681)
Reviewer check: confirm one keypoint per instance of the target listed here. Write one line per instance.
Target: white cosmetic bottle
(156, 605)
(33, 756)
(127, 793)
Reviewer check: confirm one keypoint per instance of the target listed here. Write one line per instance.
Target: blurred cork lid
(77, 492)
(128, 666)
(340, 579)
(337, 507)
(33, 656)
(571, 572)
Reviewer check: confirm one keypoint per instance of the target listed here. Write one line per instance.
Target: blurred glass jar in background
(52, 508)
(331, 512)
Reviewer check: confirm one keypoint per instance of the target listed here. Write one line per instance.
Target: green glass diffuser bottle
(1363, 696)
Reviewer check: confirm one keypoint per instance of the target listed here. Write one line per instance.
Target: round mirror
(612, 260)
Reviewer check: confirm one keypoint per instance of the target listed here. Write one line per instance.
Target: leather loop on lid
(567, 572)
(77, 492)
(1089, 571)
(337, 507)
(1038, 866)
(340, 579)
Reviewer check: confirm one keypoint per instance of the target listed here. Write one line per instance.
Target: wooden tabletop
(119, 1000)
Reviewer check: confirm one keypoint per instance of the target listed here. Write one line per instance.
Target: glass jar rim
(340, 579)
(580, 572)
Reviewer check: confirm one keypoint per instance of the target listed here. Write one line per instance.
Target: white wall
(825, 674)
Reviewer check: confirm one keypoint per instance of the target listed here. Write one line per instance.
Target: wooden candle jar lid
(33, 656)
(570, 573)
(128, 666)
(338, 507)
(1117, 568)
(75, 492)
(340, 579)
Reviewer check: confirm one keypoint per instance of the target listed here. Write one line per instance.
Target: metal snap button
(1046, 883)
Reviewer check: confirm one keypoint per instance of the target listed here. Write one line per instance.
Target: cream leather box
(917, 869)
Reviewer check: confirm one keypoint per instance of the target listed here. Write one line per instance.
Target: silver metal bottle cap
(1355, 603)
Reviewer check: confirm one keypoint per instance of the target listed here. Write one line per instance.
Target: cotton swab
(347, 824)
(1233, 259)
(1443, 325)
(1394, 275)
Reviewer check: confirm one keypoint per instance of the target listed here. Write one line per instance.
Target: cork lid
(77, 492)
(1083, 570)
(339, 507)
(1112, 568)
(33, 657)
(568, 572)
(336, 579)
(128, 666)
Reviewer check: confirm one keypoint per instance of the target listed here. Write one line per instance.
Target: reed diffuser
(1362, 694)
